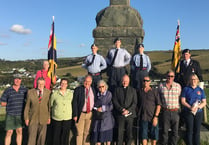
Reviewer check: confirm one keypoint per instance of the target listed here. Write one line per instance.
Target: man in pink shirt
(43, 73)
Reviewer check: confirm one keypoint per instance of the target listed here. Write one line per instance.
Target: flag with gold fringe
(176, 51)
(52, 55)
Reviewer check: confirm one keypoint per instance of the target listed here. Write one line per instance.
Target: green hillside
(161, 62)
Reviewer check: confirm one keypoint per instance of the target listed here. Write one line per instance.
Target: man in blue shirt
(140, 67)
(13, 99)
(117, 58)
(94, 63)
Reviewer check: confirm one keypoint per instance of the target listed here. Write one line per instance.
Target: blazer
(127, 101)
(79, 100)
(185, 72)
(37, 112)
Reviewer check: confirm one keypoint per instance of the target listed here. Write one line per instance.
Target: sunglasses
(170, 76)
(146, 80)
(101, 86)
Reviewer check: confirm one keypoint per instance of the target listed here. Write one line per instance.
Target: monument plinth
(118, 20)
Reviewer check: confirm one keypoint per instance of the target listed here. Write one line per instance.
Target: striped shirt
(170, 97)
(15, 100)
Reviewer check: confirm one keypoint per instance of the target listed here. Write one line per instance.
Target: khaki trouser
(83, 129)
(37, 134)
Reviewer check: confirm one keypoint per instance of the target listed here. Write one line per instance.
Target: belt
(94, 74)
(138, 68)
(173, 110)
(118, 67)
(86, 112)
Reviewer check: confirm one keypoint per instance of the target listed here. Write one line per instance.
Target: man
(117, 59)
(43, 73)
(13, 99)
(140, 66)
(37, 113)
(125, 100)
(170, 92)
(94, 63)
(188, 66)
(149, 105)
(83, 102)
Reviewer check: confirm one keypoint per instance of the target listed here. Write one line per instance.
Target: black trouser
(61, 131)
(125, 124)
(95, 80)
(170, 121)
(138, 78)
(115, 77)
(193, 124)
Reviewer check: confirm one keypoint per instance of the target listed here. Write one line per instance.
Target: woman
(103, 127)
(193, 99)
(61, 108)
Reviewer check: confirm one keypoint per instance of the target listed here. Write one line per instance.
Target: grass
(161, 61)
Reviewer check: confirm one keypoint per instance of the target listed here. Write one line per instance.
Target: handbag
(98, 115)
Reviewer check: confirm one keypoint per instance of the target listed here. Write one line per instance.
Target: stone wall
(118, 20)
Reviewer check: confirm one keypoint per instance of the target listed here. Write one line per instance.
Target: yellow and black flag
(176, 51)
(52, 55)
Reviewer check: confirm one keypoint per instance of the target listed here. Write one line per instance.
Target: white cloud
(20, 29)
(82, 45)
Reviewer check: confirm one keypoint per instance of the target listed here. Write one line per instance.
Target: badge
(198, 93)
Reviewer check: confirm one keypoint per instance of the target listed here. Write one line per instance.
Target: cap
(140, 45)
(117, 39)
(17, 76)
(93, 45)
(185, 51)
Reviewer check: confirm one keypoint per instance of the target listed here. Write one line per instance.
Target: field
(161, 62)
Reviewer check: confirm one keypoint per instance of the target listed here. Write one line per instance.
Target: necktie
(91, 60)
(141, 62)
(113, 60)
(40, 96)
(88, 102)
(186, 63)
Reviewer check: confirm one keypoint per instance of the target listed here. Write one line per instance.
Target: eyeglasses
(170, 76)
(101, 86)
(146, 80)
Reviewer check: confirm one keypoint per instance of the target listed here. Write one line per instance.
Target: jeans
(193, 124)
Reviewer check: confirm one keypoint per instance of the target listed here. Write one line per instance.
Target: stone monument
(118, 20)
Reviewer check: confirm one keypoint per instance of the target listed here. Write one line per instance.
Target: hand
(155, 121)
(125, 112)
(75, 118)
(99, 109)
(48, 121)
(26, 122)
(194, 108)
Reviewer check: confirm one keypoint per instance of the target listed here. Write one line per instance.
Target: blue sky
(25, 25)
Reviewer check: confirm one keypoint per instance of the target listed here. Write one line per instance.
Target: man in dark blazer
(37, 113)
(83, 102)
(188, 66)
(125, 100)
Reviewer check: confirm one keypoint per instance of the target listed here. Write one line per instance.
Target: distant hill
(161, 61)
